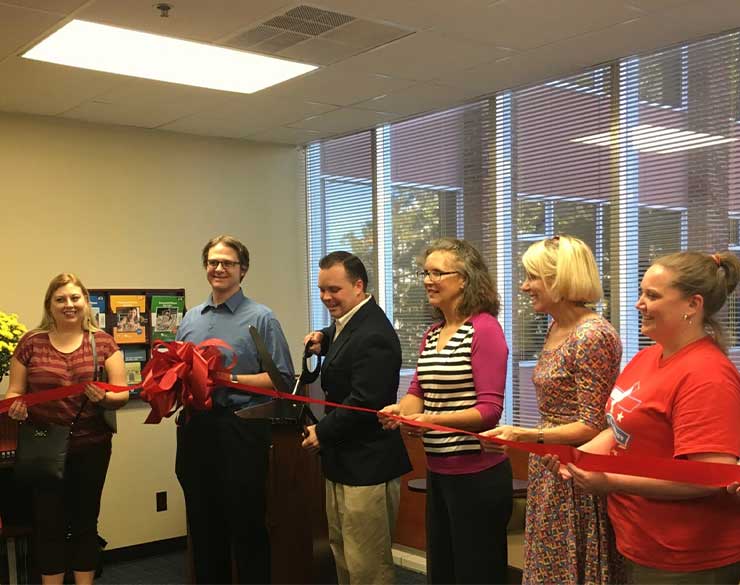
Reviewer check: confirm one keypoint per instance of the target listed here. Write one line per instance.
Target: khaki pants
(362, 520)
(640, 574)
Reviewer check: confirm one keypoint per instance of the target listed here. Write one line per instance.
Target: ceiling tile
(146, 103)
(693, 20)
(203, 126)
(190, 19)
(43, 88)
(318, 52)
(338, 87)
(344, 120)
(365, 34)
(19, 27)
(57, 6)
(525, 24)
(422, 97)
(244, 115)
(413, 14)
(656, 5)
(643, 35)
(118, 114)
(422, 56)
(519, 70)
(286, 136)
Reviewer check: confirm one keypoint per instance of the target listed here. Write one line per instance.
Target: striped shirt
(468, 372)
(447, 379)
(47, 368)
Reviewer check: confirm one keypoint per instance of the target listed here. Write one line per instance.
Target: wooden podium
(296, 511)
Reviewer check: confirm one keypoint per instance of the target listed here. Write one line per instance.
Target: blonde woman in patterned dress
(568, 538)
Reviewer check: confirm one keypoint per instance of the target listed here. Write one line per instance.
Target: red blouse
(48, 368)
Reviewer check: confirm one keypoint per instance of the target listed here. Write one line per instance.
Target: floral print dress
(568, 538)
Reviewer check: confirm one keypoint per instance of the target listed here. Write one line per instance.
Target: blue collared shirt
(230, 322)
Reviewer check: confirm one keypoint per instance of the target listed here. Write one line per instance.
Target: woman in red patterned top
(59, 353)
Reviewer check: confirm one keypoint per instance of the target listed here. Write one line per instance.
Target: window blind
(637, 157)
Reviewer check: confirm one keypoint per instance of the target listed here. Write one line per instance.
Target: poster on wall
(129, 311)
(166, 316)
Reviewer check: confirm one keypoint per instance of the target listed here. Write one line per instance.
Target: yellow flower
(11, 330)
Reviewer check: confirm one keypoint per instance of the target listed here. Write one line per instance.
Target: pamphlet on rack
(166, 316)
(97, 308)
(134, 353)
(129, 314)
(133, 373)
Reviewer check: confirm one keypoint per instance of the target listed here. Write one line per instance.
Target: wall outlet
(161, 501)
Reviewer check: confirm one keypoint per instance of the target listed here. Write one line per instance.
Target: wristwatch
(233, 378)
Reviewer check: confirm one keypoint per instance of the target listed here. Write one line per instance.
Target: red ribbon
(197, 369)
(185, 375)
(57, 394)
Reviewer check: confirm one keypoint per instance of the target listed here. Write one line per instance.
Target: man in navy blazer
(362, 463)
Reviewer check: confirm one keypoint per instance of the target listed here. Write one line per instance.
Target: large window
(638, 158)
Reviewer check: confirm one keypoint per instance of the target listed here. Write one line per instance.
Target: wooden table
(420, 485)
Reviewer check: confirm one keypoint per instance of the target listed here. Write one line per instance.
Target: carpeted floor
(169, 569)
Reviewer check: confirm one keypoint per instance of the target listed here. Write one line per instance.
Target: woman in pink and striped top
(459, 382)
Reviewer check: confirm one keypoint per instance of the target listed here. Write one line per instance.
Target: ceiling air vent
(312, 35)
(296, 25)
(311, 14)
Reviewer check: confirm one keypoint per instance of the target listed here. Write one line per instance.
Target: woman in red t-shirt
(59, 353)
(680, 399)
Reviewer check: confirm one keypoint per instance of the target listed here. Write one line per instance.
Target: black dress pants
(65, 516)
(222, 467)
(467, 517)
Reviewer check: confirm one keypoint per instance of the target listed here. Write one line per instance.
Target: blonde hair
(60, 280)
(480, 294)
(567, 267)
(713, 276)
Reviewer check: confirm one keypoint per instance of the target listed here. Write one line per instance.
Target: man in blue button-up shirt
(221, 458)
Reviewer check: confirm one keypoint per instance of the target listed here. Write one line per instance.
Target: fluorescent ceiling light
(127, 52)
(648, 138)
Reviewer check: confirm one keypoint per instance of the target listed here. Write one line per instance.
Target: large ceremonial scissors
(267, 410)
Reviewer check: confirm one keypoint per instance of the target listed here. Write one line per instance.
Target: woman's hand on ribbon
(414, 431)
(388, 423)
(94, 394)
(734, 489)
(552, 464)
(18, 410)
(505, 432)
(593, 482)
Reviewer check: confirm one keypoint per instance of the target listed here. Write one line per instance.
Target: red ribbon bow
(183, 375)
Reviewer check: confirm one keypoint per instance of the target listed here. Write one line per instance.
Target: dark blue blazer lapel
(346, 334)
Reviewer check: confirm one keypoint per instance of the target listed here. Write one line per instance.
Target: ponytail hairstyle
(713, 276)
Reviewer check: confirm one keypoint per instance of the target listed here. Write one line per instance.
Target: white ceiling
(452, 51)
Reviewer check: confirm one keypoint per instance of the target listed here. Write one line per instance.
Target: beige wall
(126, 207)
